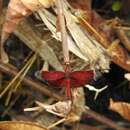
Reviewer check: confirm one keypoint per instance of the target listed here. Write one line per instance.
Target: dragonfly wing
(80, 78)
(52, 75)
(58, 83)
(54, 78)
(57, 79)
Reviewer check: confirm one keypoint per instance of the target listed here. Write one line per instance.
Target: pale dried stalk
(63, 31)
(9, 96)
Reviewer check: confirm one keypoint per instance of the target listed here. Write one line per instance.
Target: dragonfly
(66, 79)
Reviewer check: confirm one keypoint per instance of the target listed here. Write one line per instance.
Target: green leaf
(116, 6)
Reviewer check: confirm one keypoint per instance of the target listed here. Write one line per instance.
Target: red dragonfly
(67, 79)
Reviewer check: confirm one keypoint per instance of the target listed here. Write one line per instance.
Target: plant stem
(63, 30)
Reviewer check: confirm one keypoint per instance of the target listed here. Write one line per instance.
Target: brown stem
(11, 70)
(125, 41)
(63, 30)
(104, 120)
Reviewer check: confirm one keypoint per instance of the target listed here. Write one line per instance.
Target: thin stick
(63, 30)
(9, 97)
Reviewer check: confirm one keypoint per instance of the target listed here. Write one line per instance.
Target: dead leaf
(20, 125)
(122, 108)
(16, 12)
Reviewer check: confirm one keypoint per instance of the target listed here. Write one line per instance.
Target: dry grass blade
(17, 76)
(9, 96)
(15, 87)
(25, 72)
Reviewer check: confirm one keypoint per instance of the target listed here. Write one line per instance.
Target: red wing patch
(80, 78)
(74, 79)
(53, 75)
